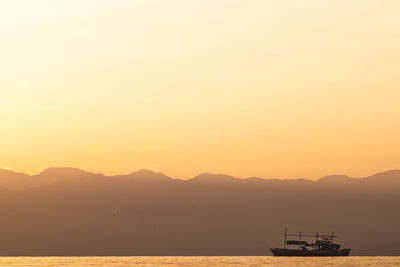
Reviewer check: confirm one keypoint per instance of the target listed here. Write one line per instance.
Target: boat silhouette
(322, 245)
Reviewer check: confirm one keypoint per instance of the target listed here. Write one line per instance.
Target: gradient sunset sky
(276, 89)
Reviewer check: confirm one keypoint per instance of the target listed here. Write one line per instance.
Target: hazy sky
(250, 88)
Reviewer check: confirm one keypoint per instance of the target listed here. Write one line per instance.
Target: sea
(199, 261)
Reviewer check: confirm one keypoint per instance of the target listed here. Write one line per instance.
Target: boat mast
(299, 239)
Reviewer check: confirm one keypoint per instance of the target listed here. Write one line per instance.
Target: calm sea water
(197, 261)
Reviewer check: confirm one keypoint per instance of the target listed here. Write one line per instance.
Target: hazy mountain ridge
(148, 213)
(16, 181)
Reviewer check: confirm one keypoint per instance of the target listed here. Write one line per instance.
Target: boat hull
(309, 253)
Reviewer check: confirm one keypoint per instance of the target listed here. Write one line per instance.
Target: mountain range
(68, 211)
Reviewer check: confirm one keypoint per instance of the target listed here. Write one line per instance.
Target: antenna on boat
(332, 236)
(284, 242)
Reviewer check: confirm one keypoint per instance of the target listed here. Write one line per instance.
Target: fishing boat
(322, 245)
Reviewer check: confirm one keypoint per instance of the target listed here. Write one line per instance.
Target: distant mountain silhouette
(385, 178)
(208, 178)
(337, 179)
(14, 181)
(19, 181)
(144, 175)
(67, 211)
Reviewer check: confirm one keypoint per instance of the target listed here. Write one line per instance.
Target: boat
(321, 246)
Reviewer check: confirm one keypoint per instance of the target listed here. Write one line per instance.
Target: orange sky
(249, 88)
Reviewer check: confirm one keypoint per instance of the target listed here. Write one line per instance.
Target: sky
(275, 89)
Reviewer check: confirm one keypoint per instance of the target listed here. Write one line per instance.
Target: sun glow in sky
(281, 89)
